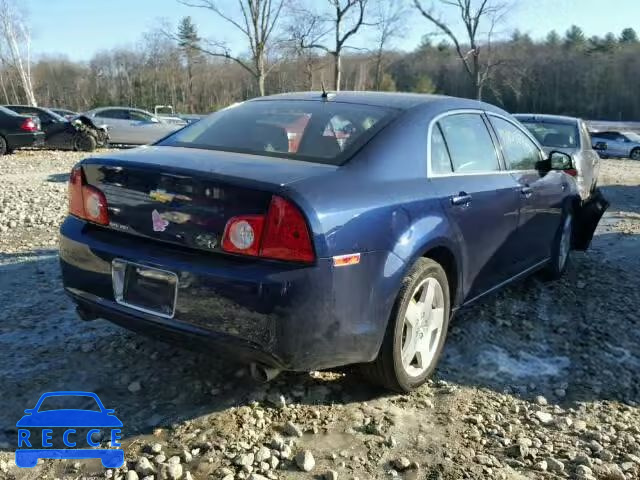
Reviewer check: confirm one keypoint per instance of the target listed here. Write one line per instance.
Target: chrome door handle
(461, 198)
(526, 191)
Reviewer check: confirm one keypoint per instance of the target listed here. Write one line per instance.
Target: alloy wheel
(423, 326)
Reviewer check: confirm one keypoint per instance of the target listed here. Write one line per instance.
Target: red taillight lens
(85, 201)
(281, 235)
(95, 205)
(76, 203)
(29, 125)
(286, 236)
(572, 171)
(242, 235)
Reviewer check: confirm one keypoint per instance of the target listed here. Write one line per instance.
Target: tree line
(310, 45)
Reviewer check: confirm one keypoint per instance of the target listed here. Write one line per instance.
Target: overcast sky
(79, 28)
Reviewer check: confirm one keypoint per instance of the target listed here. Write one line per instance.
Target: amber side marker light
(346, 260)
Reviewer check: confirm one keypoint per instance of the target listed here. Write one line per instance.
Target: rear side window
(469, 143)
(519, 151)
(440, 160)
(316, 131)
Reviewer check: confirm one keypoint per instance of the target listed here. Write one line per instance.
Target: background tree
(17, 44)
(342, 21)
(479, 67)
(388, 20)
(257, 22)
(574, 38)
(628, 36)
(189, 43)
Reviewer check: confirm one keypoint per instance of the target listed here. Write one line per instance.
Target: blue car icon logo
(41, 427)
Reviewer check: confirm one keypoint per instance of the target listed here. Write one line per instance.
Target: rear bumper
(20, 140)
(287, 316)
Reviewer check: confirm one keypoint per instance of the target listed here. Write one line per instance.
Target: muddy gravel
(540, 381)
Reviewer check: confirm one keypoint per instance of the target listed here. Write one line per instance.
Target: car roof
(401, 101)
(546, 118)
(101, 109)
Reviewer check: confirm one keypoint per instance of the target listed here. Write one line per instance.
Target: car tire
(561, 247)
(85, 143)
(4, 149)
(635, 154)
(400, 366)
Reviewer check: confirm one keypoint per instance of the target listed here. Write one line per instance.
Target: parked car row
(308, 231)
(68, 130)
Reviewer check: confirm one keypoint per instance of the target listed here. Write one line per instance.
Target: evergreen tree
(189, 43)
(629, 36)
(574, 38)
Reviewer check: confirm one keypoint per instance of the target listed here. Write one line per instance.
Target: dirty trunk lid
(186, 196)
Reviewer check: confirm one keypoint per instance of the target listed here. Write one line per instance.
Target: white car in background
(132, 126)
(571, 136)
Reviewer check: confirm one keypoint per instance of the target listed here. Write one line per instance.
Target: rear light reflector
(346, 260)
(29, 125)
(572, 171)
(85, 201)
(281, 235)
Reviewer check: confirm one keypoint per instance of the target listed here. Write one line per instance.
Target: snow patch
(497, 362)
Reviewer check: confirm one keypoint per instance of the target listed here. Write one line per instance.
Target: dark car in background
(349, 247)
(80, 133)
(619, 144)
(18, 131)
(571, 136)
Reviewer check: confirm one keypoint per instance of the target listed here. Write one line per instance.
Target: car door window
(139, 116)
(440, 159)
(469, 143)
(113, 114)
(519, 150)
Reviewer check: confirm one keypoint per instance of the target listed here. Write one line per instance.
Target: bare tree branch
(315, 37)
(471, 19)
(259, 19)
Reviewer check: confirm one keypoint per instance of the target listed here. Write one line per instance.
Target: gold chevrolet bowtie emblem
(161, 196)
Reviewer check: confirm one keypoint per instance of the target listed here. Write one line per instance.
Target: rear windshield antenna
(325, 94)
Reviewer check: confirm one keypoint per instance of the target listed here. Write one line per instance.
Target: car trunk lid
(186, 196)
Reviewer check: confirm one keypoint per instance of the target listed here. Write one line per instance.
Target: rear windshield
(549, 134)
(316, 131)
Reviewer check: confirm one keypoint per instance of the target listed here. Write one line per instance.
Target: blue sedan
(307, 231)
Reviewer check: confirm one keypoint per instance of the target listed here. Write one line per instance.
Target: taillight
(286, 236)
(282, 234)
(242, 235)
(76, 203)
(29, 125)
(572, 171)
(85, 201)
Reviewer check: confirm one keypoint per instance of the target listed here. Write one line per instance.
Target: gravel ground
(541, 381)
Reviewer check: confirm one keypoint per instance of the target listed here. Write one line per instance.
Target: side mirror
(600, 146)
(560, 161)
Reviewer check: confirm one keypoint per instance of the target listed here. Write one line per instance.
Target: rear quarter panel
(381, 201)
